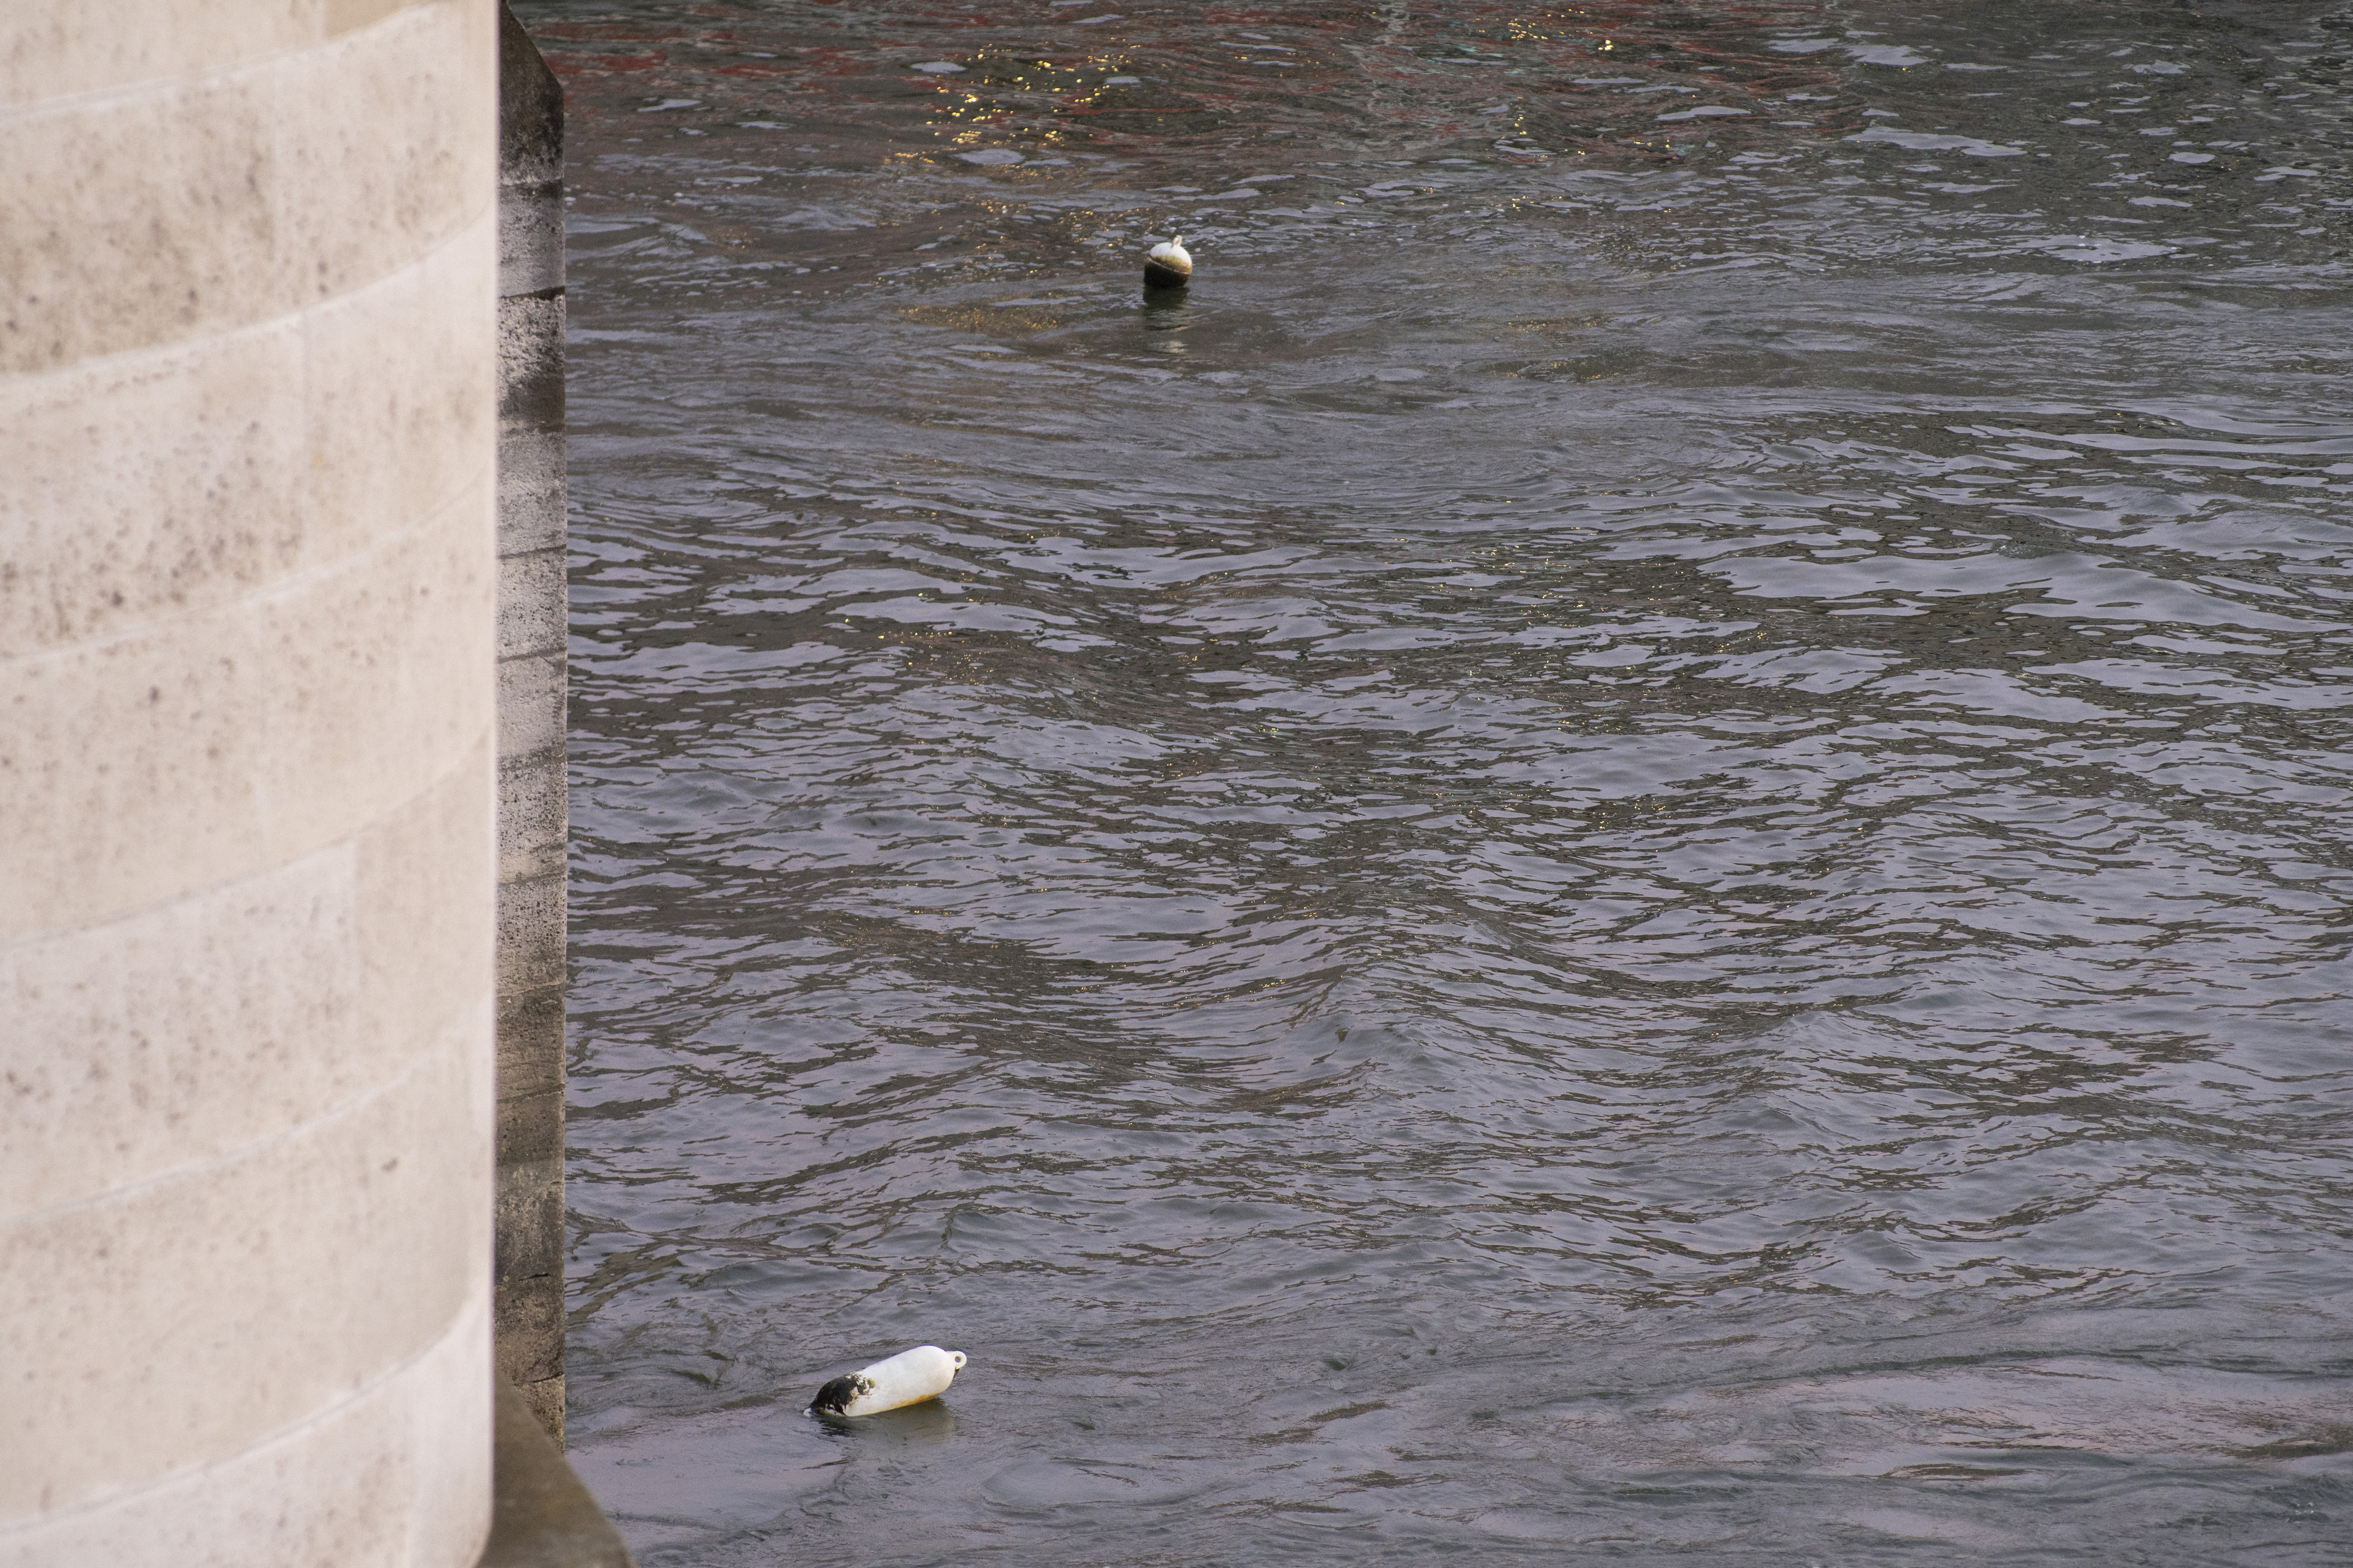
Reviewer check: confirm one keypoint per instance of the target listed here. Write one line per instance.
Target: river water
(1632, 850)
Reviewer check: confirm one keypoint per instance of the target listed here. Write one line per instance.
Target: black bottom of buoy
(834, 1396)
(1158, 277)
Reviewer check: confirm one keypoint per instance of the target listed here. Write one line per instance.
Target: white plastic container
(908, 1378)
(1169, 266)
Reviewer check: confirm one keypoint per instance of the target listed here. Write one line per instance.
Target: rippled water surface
(1634, 851)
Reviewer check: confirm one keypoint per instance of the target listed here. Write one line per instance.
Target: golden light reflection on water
(1023, 94)
(986, 321)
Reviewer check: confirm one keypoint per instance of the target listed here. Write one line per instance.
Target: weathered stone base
(546, 1398)
(542, 1515)
(528, 1262)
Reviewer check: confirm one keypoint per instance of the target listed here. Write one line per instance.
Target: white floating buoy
(908, 1378)
(1169, 266)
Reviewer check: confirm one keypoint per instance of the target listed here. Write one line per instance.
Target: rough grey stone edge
(541, 1514)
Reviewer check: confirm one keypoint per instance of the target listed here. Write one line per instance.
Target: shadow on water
(1630, 848)
(908, 1429)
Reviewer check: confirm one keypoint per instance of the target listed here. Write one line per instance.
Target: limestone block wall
(534, 812)
(247, 780)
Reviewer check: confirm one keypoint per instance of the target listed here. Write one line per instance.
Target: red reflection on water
(1531, 82)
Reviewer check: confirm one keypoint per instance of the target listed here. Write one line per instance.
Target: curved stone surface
(248, 639)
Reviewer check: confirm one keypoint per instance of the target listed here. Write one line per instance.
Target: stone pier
(531, 811)
(281, 790)
(249, 773)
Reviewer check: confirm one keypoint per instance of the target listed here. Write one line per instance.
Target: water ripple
(1636, 845)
